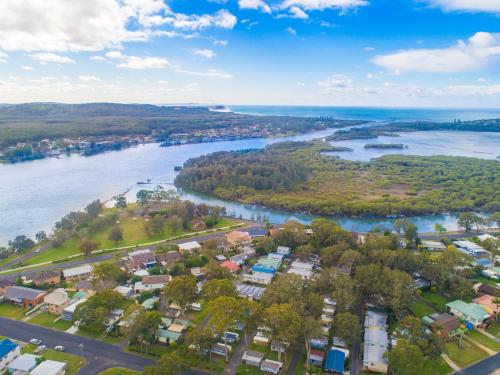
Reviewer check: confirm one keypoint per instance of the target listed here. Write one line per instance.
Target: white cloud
(220, 43)
(478, 50)
(222, 19)
(489, 6)
(51, 58)
(97, 58)
(211, 73)
(324, 4)
(254, 4)
(3, 57)
(291, 31)
(89, 79)
(27, 68)
(138, 63)
(206, 53)
(296, 12)
(369, 48)
(336, 82)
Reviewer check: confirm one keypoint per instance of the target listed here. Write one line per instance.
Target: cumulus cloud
(291, 31)
(136, 62)
(478, 50)
(324, 4)
(294, 12)
(222, 19)
(336, 83)
(489, 6)
(97, 58)
(51, 58)
(3, 57)
(220, 43)
(254, 4)
(206, 53)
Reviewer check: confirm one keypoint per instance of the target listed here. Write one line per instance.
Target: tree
(344, 292)
(87, 246)
(116, 234)
(310, 328)
(286, 289)
(467, 220)
(121, 201)
(168, 364)
(216, 288)
(215, 271)
(495, 218)
(224, 312)
(400, 291)
(143, 197)
(21, 243)
(439, 228)
(93, 209)
(41, 236)
(108, 275)
(350, 259)
(284, 323)
(92, 314)
(203, 340)
(155, 226)
(144, 329)
(405, 358)
(347, 327)
(181, 290)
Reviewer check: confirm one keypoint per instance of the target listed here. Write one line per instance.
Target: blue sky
(413, 53)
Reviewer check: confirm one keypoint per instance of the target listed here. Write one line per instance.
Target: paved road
(296, 356)
(25, 257)
(485, 367)
(237, 355)
(99, 355)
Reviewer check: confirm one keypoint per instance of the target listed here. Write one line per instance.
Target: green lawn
(437, 300)
(133, 234)
(421, 309)
(119, 371)
(494, 329)
(73, 362)
(11, 311)
(216, 365)
(247, 370)
(466, 355)
(436, 367)
(99, 336)
(484, 340)
(47, 320)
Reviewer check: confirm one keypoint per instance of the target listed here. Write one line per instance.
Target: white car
(59, 348)
(39, 349)
(35, 341)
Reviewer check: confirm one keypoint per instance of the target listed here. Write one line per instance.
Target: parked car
(35, 341)
(59, 348)
(40, 349)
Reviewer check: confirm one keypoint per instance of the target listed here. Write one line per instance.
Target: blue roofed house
(9, 351)
(335, 361)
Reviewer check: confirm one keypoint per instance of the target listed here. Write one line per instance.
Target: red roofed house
(487, 302)
(230, 265)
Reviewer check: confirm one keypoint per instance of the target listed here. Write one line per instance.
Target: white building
(189, 247)
(50, 368)
(470, 248)
(125, 291)
(376, 341)
(78, 273)
(434, 245)
(283, 250)
(258, 278)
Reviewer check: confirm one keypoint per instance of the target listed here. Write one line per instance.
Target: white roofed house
(376, 341)
(470, 248)
(434, 245)
(189, 247)
(82, 272)
(50, 367)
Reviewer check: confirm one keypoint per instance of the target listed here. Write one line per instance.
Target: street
(485, 367)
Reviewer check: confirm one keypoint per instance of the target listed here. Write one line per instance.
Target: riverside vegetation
(298, 176)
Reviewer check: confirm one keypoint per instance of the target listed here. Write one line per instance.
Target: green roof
(275, 263)
(79, 295)
(473, 310)
(427, 320)
(171, 336)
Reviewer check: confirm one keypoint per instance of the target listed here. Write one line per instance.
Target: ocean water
(370, 113)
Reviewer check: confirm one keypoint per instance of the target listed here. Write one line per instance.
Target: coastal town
(259, 298)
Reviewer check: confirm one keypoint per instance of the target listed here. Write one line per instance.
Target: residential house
(239, 259)
(258, 278)
(470, 248)
(442, 324)
(283, 250)
(483, 289)
(125, 291)
(249, 291)
(249, 251)
(152, 282)
(270, 366)
(166, 337)
(142, 259)
(24, 364)
(335, 361)
(316, 357)
(487, 302)
(9, 351)
(189, 247)
(486, 236)
(253, 358)
(4, 284)
(84, 285)
(168, 258)
(220, 258)
(302, 269)
(23, 296)
(238, 238)
(376, 341)
(83, 272)
(221, 349)
(57, 301)
(472, 313)
(434, 245)
(198, 272)
(230, 265)
(47, 278)
(50, 367)
(70, 310)
(150, 303)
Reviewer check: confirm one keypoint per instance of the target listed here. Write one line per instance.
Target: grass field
(247, 370)
(421, 309)
(494, 329)
(11, 311)
(47, 320)
(438, 301)
(484, 340)
(119, 371)
(436, 367)
(133, 234)
(73, 362)
(466, 355)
